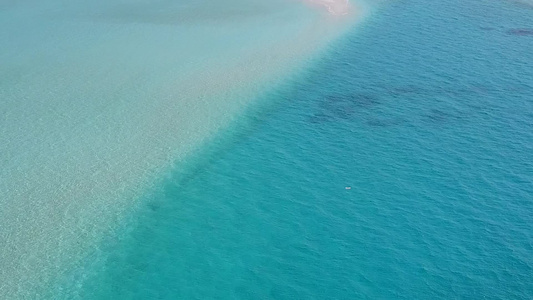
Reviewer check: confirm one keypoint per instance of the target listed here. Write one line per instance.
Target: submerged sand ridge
(110, 100)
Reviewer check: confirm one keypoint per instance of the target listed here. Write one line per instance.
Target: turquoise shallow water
(98, 99)
(425, 111)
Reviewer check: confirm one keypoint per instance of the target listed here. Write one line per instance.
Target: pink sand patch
(334, 7)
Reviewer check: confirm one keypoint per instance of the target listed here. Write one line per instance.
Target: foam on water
(99, 98)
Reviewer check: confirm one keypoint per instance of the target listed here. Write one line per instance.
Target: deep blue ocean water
(425, 111)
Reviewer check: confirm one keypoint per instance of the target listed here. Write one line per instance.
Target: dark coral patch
(342, 107)
(520, 31)
(319, 118)
(153, 206)
(383, 122)
(440, 116)
(351, 100)
(408, 89)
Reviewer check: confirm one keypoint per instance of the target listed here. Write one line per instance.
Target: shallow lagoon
(100, 98)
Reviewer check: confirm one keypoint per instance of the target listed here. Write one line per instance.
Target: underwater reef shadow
(342, 106)
(520, 32)
(338, 107)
